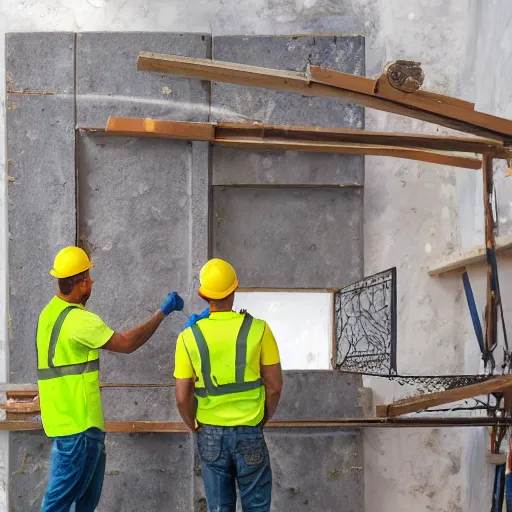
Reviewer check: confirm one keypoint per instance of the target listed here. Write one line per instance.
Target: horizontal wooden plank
(32, 389)
(177, 427)
(322, 134)
(460, 260)
(421, 402)
(206, 69)
(353, 149)
(139, 127)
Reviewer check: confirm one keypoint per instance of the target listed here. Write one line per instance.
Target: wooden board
(322, 134)
(177, 427)
(459, 260)
(421, 402)
(353, 149)
(206, 69)
(139, 127)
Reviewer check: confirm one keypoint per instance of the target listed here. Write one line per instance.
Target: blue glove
(173, 302)
(195, 318)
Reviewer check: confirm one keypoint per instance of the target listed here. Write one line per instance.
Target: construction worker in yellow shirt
(228, 382)
(68, 339)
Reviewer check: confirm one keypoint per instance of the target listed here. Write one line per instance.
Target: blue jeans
(232, 455)
(77, 468)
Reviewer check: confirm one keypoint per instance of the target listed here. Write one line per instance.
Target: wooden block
(460, 260)
(496, 458)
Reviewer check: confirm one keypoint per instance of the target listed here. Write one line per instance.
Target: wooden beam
(460, 260)
(491, 310)
(421, 402)
(157, 128)
(347, 135)
(353, 149)
(139, 127)
(178, 427)
(438, 104)
(355, 89)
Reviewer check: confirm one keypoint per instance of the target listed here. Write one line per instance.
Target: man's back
(236, 347)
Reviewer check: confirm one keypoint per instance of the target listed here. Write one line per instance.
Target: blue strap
(473, 312)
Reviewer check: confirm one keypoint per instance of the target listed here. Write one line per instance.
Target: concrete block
(147, 472)
(314, 471)
(139, 404)
(233, 166)
(108, 83)
(40, 62)
(319, 394)
(136, 217)
(29, 464)
(42, 212)
(237, 103)
(311, 236)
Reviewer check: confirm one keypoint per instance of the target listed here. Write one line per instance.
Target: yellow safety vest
(229, 391)
(67, 377)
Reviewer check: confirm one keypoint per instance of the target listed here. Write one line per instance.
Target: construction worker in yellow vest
(228, 384)
(68, 339)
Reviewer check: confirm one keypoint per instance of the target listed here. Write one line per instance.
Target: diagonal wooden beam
(421, 402)
(445, 106)
(360, 90)
(280, 138)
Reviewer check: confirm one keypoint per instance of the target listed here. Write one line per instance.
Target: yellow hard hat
(218, 279)
(70, 261)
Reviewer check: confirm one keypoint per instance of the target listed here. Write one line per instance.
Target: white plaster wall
(414, 212)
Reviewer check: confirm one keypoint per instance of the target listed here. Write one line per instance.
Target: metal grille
(366, 325)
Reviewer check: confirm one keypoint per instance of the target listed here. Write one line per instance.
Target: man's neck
(68, 298)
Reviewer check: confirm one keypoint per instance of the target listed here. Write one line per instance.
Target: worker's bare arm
(273, 381)
(127, 342)
(184, 391)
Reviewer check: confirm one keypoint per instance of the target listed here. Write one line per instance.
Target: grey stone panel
(136, 202)
(139, 404)
(319, 394)
(40, 62)
(238, 103)
(290, 237)
(144, 472)
(147, 472)
(233, 166)
(313, 471)
(29, 464)
(108, 83)
(42, 212)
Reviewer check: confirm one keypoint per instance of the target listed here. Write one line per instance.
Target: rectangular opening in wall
(302, 322)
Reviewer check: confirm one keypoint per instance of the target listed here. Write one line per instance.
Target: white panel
(301, 322)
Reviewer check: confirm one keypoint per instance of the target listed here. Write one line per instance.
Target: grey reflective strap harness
(240, 363)
(52, 372)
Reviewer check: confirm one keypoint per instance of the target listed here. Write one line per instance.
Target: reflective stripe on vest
(240, 364)
(53, 372)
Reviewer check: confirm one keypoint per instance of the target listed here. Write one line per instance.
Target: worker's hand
(173, 302)
(195, 318)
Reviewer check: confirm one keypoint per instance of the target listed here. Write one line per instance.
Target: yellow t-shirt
(183, 366)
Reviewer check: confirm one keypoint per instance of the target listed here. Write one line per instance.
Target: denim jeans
(77, 468)
(231, 455)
